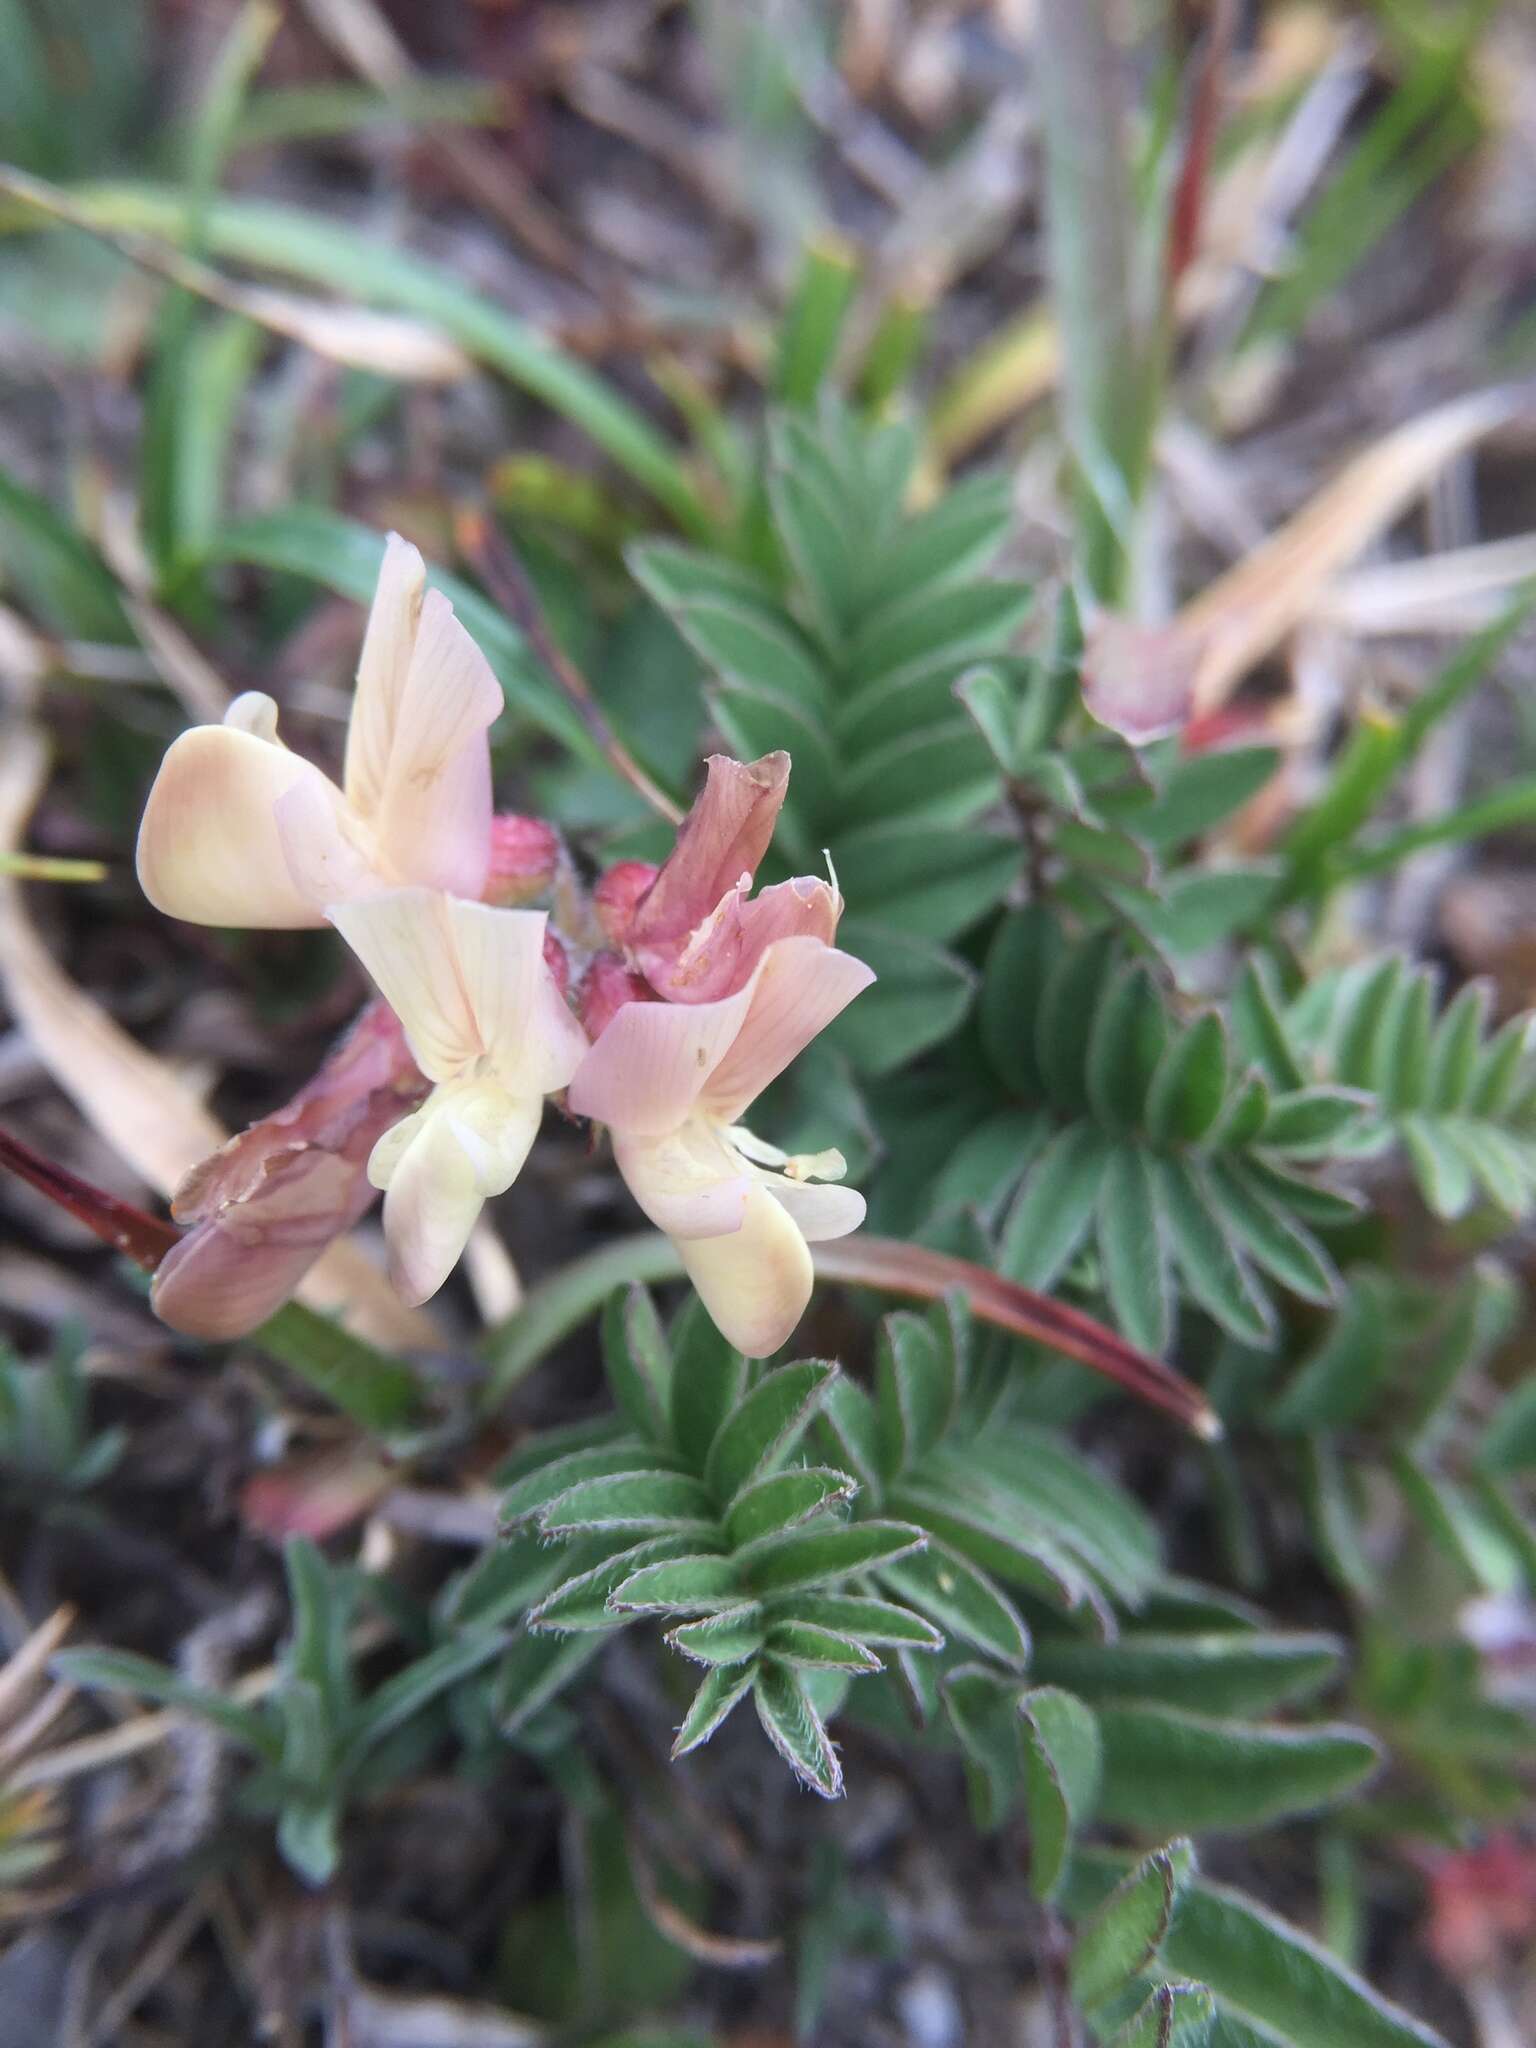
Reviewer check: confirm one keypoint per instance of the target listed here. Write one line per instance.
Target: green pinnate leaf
(1127, 1041)
(927, 632)
(729, 1637)
(849, 1428)
(1243, 1671)
(1286, 1982)
(1003, 1535)
(1373, 999)
(638, 1361)
(696, 1583)
(952, 538)
(1175, 2016)
(722, 1690)
(1400, 1055)
(1457, 1042)
(1133, 1250)
(1123, 1937)
(915, 1390)
(983, 1709)
(1164, 1767)
(1063, 1762)
(581, 1601)
(533, 1492)
(994, 711)
(778, 1501)
(1088, 1514)
(1500, 1069)
(1203, 789)
(1272, 1238)
(732, 621)
(1053, 1211)
(1190, 1084)
(1072, 995)
(821, 1554)
(868, 1620)
(1313, 1123)
(709, 1378)
(649, 1503)
(794, 1727)
(810, 1645)
(1211, 1265)
(765, 1425)
(1258, 1029)
(962, 1600)
(1021, 960)
(1441, 1166)
(933, 881)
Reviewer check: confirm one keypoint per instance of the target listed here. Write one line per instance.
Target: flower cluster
(699, 996)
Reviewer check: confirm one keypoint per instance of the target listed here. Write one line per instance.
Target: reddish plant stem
(143, 1238)
(895, 1267)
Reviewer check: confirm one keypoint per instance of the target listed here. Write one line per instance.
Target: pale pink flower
(264, 1207)
(488, 1025)
(693, 927)
(671, 1080)
(240, 831)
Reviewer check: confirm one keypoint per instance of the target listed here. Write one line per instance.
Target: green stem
(381, 1392)
(1090, 225)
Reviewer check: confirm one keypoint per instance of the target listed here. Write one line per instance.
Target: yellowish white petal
(687, 1183)
(381, 672)
(405, 938)
(210, 845)
(432, 816)
(756, 1281)
(521, 1018)
(469, 1141)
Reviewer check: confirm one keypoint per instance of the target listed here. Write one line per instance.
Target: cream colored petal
(496, 1127)
(432, 818)
(381, 672)
(253, 711)
(819, 1211)
(325, 862)
(522, 1019)
(470, 1141)
(210, 845)
(687, 1183)
(392, 1145)
(405, 939)
(756, 1282)
(433, 1201)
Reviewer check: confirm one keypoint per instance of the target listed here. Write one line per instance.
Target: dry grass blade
(723, 1951)
(1197, 660)
(1243, 616)
(125, 1093)
(1455, 592)
(388, 344)
(133, 1099)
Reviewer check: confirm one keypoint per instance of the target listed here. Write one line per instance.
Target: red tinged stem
(1189, 194)
(894, 1267)
(144, 1238)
